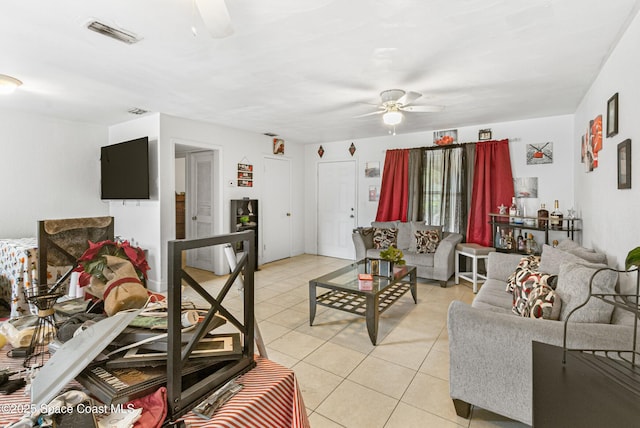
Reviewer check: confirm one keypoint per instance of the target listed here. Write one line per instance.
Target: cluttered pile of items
(124, 350)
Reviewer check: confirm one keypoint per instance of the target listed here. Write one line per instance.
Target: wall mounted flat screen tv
(125, 170)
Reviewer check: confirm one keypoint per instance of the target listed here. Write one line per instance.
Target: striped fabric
(270, 398)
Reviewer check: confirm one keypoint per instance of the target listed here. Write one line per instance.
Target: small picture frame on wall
(612, 116)
(624, 164)
(278, 146)
(484, 134)
(444, 138)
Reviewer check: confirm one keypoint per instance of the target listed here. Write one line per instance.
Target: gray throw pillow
(589, 255)
(367, 236)
(418, 226)
(567, 244)
(573, 289)
(552, 258)
(385, 224)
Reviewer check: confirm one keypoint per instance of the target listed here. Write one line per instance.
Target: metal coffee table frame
(345, 294)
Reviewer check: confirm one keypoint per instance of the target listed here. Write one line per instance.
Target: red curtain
(394, 192)
(492, 186)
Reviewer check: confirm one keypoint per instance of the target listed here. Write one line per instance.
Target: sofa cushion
(527, 265)
(567, 244)
(404, 236)
(589, 255)
(415, 259)
(367, 236)
(427, 241)
(385, 224)
(492, 297)
(573, 289)
(384, 238)
(543, 303)
(525, 284)
(552, 258)
(417, 226)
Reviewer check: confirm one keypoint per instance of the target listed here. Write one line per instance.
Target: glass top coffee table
(347, 293)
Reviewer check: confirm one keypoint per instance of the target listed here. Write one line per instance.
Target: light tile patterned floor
(345, 380)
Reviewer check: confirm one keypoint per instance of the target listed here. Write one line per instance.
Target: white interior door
(276, 210)
(200, 212)
(336, 208)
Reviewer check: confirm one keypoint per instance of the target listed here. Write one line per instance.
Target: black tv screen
(125, 170)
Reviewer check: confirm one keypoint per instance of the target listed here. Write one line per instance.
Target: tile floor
(345, 380)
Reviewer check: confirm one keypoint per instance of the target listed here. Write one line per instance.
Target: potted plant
(633, 259)
(394, 255)
(395, 258)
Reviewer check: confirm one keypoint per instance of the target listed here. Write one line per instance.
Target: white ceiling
(304, 68)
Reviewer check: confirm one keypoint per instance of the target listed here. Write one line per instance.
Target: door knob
(194, 218)
(351, 216)
(288, 214)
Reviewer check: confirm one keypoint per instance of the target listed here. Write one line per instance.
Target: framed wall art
(612, 116)
(444, 138)
(372, 169)
(539, 153)
(484, 134)
(278, 146)
(245, 175)
(624, 164)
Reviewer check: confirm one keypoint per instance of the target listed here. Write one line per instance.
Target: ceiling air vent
(115, 33)
(137, 111)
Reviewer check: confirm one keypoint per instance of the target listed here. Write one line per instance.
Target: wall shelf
(540, 224)
(244, 216)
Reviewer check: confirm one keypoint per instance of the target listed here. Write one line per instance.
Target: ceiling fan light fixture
(8, 84)
(392, 117)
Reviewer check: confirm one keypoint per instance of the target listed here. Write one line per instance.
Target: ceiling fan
(216, 17)
(396, 101)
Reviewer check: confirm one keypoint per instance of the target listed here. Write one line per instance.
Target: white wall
(139, 221)
(555, 180)
(152, 223)
(49, 168)
(610, 214)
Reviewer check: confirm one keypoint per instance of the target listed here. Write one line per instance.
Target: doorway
(276, 209)
(336, 208)
(203, 203)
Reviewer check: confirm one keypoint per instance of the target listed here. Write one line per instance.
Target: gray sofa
(438, 266)
(490, 346)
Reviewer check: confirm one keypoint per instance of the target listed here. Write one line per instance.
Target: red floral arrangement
(92, 262)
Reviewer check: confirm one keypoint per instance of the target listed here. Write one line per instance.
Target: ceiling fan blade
(370, 114)
(422, 109)
(408, 98)
(216, 17)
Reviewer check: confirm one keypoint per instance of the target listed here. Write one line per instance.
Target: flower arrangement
(394, 255)
(92, 262)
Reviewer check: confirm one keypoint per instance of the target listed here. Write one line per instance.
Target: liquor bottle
(519, 216)
(532, 245)
(497, 242)
(509, 241)
(543, 215)
(521, 243)
(555, 218)
(513, 211)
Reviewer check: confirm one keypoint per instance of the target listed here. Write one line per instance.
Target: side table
(475, 252)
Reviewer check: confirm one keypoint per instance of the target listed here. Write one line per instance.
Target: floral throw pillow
(427, 241)
(384, 238)
(544, 303)
(527, 265)
(526, 284)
